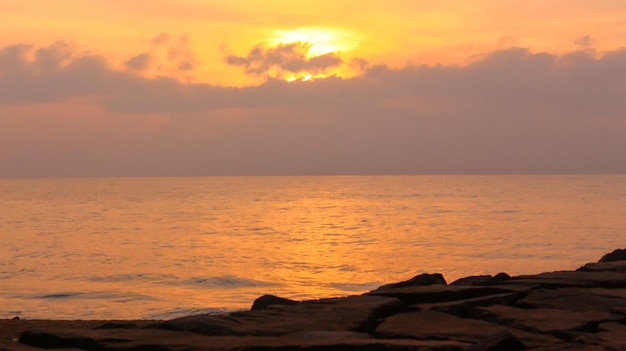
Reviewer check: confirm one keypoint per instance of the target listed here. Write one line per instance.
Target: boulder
(581, 279)
(437, 325)
(482, 280)
(15, 346)
(424, 279)
(355, 313)
(544, 320)
(575, 299)
(617, 255)
(612, 335)
(615, 266)
(464, 308)
(472, 280)
(500, 277)
(269, 300)
(500, 342)
(442, 293)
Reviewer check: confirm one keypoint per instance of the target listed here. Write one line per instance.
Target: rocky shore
(583, 309)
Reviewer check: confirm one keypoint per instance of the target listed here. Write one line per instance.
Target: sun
(321, 40)
(318, 41)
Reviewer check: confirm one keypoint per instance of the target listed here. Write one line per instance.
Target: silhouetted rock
(354, 313)
(504, 341)
(463, 308)
(117, 325)
(617, 255)
(269, 300)
(501, 277)
(442, 293)
(437, 325)
(575, 299)
(565, 279)
(424, 279)
(612, 266)
(544, 320)
(472, 280)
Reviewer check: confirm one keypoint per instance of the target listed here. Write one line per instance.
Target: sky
(99, 88)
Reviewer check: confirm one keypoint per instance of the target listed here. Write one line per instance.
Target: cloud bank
(67, 113)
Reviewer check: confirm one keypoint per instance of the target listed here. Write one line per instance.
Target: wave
(131, 278)
(223, 282)
(98, 295)
(355, 287)
(185, 311)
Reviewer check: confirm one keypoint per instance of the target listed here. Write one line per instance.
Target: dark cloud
(584, 41)
(292, 57)
(139, 62)
(53, 56)
(513, 111)
(169, 56)
(53, 74)
(160, 39)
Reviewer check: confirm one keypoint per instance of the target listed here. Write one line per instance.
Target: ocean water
(121, 248)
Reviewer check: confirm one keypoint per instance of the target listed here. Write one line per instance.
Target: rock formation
(566, 310)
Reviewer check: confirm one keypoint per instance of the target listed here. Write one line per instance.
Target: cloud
(160, 39)
(139, 62)
(292, 57)
(169, 56)
(513, 111)
(584, 41)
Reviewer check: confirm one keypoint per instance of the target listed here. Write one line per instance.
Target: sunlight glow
(305, 77)
(322, 40)
(319, 41)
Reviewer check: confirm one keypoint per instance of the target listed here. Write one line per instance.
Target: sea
(161, 248)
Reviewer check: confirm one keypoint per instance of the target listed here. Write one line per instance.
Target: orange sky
(394, 32)
(207, 87)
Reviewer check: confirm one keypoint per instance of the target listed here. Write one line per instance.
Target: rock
(117, 325)
(617, 255)
(501, 277)
(567, 310)
(482, 280)
(442, 293)
(327, 335)
(575, 299)
(619, 310)
(500, 342)
(544, 320)
(612, 335)
(463, 308)
(269, 300)
(437, 325)
(51, 340)
(15, 346)
(355, 313)
(162, 340)
(615, 266)
(581, 279)
(472, 280)
(424, 279)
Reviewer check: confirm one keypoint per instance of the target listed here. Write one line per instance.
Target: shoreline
(583, 309)
(11, 329)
